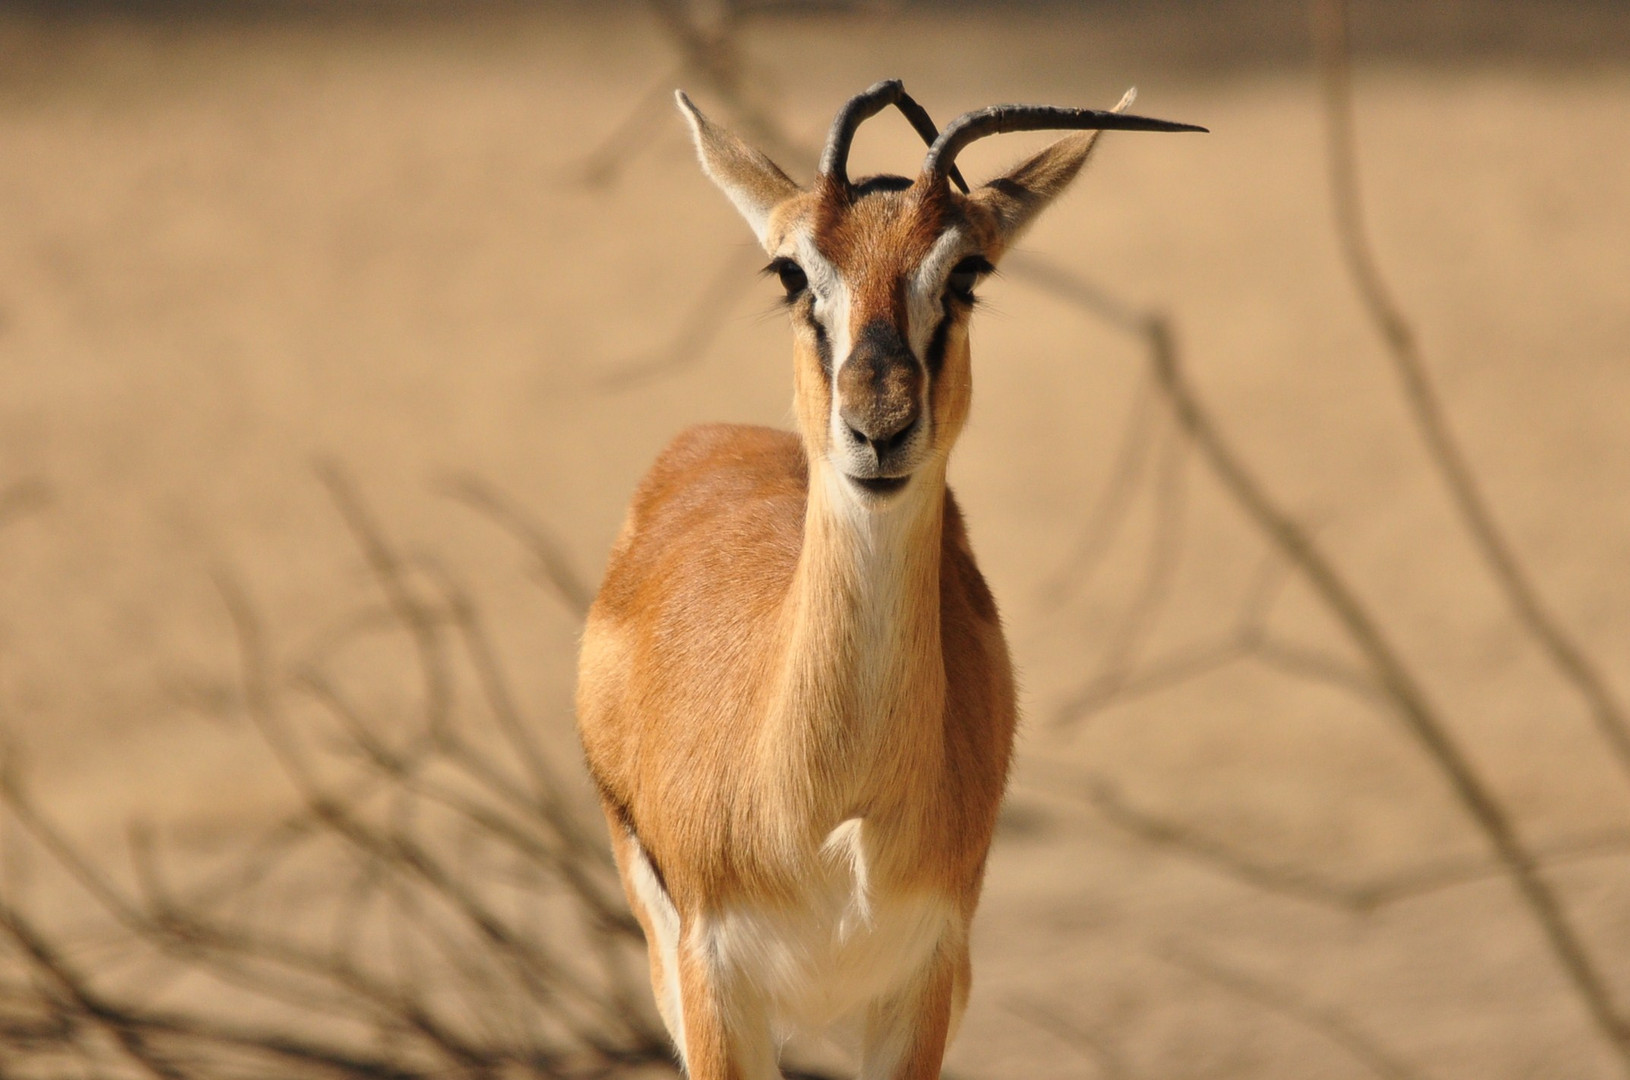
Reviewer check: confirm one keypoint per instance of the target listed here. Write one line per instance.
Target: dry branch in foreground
(437, 905)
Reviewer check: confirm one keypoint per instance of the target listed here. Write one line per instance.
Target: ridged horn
(999, 119)
(862, 107)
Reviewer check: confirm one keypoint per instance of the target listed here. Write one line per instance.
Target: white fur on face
(831, 294)
(925, 291)
(831, 310)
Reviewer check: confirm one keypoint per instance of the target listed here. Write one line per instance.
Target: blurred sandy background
(239, 240)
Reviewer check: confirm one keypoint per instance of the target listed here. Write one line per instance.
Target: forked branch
(1392, 673)
(1403, 346)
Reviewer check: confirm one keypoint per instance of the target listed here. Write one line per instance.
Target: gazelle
(794, 694)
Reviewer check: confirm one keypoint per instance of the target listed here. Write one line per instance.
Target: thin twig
(1165, 549)
(601, 167)
(1393, 675)
(698, 329)
(552, 983)
(1111, 1064)
(565, 860)
(1421, 717)
(1249, 641)
(1158, 832)
(517, 732)
(1330, 21)
(1301, 883)
(391, 575)
(1303, 662)
(554, 568)
(85, 999)
(1109, 512)
(716, 57)
(1178, 667)
(1294, 1004)
(187, 935)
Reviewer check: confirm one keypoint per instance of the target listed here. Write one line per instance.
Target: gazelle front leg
(727, 1029)
(906, 1034)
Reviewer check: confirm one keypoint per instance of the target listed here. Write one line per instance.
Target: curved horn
(862, 107)
(998, 119)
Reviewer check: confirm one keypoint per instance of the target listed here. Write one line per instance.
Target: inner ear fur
(754, 183)
(1015, 198)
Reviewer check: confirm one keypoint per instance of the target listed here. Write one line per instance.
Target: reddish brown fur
(762, 664)
(878, 236)
(696, 584)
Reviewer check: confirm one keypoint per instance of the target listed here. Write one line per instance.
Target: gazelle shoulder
(715, 470)
(717, 495)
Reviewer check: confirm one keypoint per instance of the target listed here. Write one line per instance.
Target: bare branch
(1302, 662)
(1394, 676)
(86, 1000)
(1335, 65)
(1111, 1064)
(1109, 512)
(1294, 1004)
(716, 57)
(554, 568)
(391, 574)
(1144, 612)
(1161, 833)
(602, 166)
(697, 330)
(1167, 672)
(187, 935)
(1300, 883)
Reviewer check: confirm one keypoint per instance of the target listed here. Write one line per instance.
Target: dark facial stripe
(823, 346)
(804, 311)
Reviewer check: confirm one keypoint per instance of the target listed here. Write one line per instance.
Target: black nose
(883, 443)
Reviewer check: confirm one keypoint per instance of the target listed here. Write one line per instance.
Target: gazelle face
(880, 274)
(880, 283)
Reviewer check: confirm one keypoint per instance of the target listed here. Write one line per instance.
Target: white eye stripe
(924, 290)
(936, 266)
(830, 294)
(928, 285)
(822, 275)
(829, 297)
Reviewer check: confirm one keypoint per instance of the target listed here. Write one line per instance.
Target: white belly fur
(819, 962)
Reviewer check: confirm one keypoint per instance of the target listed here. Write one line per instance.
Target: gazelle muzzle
(880, 400)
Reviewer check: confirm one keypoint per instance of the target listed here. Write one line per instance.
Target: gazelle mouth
(881, 485)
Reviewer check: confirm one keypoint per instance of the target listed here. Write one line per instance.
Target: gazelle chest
(840, 943)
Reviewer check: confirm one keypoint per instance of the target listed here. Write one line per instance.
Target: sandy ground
(228, 251)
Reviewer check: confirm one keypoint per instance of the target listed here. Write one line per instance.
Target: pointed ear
(1016, 198)
(752, 181)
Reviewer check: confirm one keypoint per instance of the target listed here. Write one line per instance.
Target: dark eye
(791, 275)
(965, 275)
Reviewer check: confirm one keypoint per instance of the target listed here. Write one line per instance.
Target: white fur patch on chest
(839, 948)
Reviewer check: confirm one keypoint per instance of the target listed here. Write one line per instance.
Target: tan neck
(861, 681)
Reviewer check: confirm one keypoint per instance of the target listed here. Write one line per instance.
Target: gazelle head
(880, 273)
